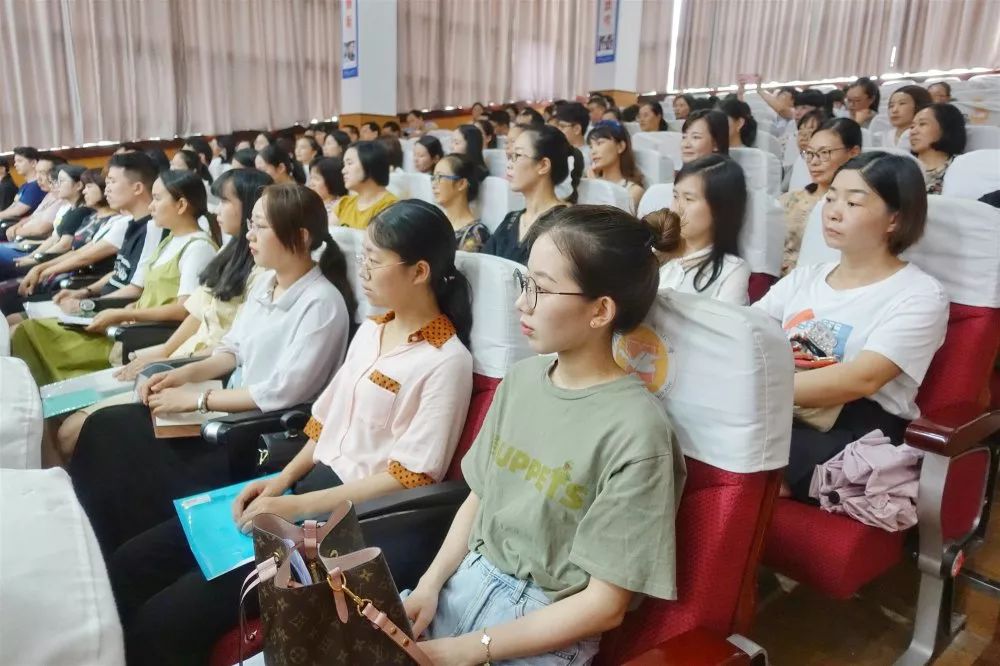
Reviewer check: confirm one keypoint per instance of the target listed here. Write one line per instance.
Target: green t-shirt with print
(576, 483)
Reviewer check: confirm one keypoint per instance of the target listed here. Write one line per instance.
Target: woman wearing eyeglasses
(455, 183)
(612, 159)
(831, 146)
(390, 419)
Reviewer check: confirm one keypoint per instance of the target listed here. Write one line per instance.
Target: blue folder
(215, 539)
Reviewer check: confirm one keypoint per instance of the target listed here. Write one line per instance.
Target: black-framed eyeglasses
(823, 155)
(530, 289)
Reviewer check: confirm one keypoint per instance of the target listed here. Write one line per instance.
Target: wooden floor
(800, 628)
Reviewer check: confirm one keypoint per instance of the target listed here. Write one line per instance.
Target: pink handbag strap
(397, 635)
(263, 572)
(310, 539)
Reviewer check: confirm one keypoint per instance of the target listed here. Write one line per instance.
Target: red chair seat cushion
(759, 285)
(833, 554)
(483, 389)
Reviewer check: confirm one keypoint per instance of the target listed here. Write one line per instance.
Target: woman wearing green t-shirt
(571, 466)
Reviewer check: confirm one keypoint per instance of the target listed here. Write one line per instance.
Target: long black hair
(725, 191)
(738, 110)
(473, 174)
(226, 275)
(275, 156)
(188, 186)
(195, 165)
(419, 231)
(473, 143)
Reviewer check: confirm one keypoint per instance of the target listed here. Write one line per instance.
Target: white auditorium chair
(632, 127)
(4, 337)
(408, 165)
(668, 143)
(982, 137)
(399, 184)
(20, 418)
(889, 149)
(762, 169)
(866, 138)
(495, 200)
(55, 595)
(973, 174)
(444, 136)
(656, 197)
(800, 175)
(675, 125)
(654, 165)
(496, 162)
(879, 124)
(597, 192)
(762, 238)
(420, 187)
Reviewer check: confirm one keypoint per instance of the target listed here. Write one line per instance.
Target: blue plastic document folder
(215, 539)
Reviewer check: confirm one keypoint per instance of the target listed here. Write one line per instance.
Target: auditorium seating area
(330, 305)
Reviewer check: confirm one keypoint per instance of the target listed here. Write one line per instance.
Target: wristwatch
(87, 305)
(203, 401)
(486, 640)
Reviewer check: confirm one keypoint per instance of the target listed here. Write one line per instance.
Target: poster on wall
(607, 30)
(349, 30)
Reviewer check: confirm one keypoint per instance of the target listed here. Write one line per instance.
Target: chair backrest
(973, 174)
(495, 200)
(762, 169)
(961, 248)
(866, 138)
(983, 137)
(733, 444)
(595, 191)
(496, 162)
(656, 197)
(762, 239)
(444, 136)
(800, 175)
(879, 124)
(419, 187)
(20, 416)
(654, 165)
(408, 165)
(399, 184)
(632, 127)
(675, 125)
(668, 143)
(4, 337)
(889, 87)
(768, 142)
(496, 339)
(890, 149)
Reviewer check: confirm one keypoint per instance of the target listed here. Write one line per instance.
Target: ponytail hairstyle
(725, 191)
(614, 131)
(419, 231)
(195, 165)
(200, 146)
(186, 185)
(274, 155)
(550, 143)
(467, 170)
(738, 110)
(291, 207)
(666, 227)
(490, 134)
(610, 254)
(227, 144)
(227, 274)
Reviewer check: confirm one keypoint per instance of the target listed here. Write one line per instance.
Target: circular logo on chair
(646, 355)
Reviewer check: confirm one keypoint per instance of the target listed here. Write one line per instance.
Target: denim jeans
(479, 596)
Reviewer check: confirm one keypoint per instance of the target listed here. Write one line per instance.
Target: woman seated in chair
(455, 183)
(936, 137)
(406, 384)
(427, 151)
(284, 345)
(326, 178)
(612, 159)
(572, 452)
(904, 104)
(537, 161)
(161, 286)
(864, 329)
(835, 142)
(704, 132)
(213, 305)
(710, 198)
(468, 140)
(742, 125)
(366, 173)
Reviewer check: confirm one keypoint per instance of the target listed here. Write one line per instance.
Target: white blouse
(288, 349)
(730, 286)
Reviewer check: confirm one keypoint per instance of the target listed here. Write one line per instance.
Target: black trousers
(810, 447)
(171, 614)
(126, 479)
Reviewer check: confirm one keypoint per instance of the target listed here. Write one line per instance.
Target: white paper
(42, 310)
(75, 319)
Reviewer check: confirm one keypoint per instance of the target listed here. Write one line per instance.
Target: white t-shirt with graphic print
(902, 317)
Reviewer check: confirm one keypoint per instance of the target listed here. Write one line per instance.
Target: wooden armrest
(953, 431)
(697, 647)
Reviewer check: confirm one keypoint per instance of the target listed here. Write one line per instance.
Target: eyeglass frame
(525, 280)
(805, 155)
(365, 268)
(436, 177)
(514, 158)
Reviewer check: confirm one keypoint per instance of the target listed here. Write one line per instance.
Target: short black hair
(28, 153)
(246, 157)
(534, 118)
(943, 84)
(499, 118)
(811, 97)
(372, 125)
(331, 169)
(575, 113)
(415, 112)
(952, 123)
(138, 167)
(374, 159)
(870, 89)
(392, 125)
